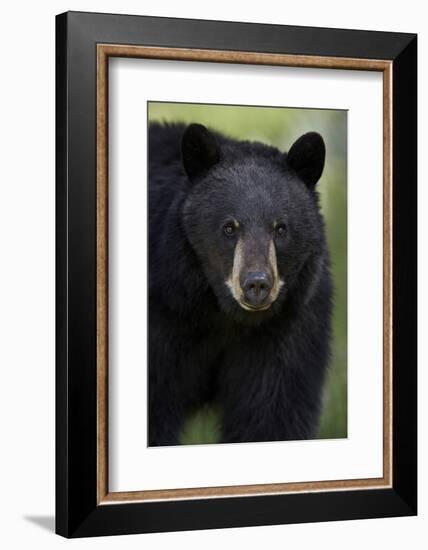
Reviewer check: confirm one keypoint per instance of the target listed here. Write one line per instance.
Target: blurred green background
(280, 127)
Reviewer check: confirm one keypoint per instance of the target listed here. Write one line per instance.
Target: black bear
(239, 285)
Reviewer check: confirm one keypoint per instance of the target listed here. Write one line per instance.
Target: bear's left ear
(306, 157)
(200, 150)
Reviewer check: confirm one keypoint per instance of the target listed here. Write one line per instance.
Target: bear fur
(263, 366)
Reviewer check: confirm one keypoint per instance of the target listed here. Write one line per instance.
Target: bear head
(252, 217)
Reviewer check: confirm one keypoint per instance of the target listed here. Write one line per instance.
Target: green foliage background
(281, 127)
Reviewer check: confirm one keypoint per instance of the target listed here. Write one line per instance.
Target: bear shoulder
(165, 142)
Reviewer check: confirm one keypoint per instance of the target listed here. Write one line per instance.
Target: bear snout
(256, 287)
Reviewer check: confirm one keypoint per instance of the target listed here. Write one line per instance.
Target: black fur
(264, 369)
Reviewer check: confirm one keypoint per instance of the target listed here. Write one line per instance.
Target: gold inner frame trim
(104, 51)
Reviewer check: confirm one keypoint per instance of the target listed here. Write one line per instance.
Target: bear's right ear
(199, 149)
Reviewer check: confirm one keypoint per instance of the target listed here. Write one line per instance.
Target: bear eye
(280, 230)
(229, 229)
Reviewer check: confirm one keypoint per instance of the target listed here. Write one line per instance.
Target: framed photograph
(236, 274)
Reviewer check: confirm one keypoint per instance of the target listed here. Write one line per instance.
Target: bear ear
(199, 149)
(306, 157)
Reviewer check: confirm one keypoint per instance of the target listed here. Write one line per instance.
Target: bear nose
(256, 286)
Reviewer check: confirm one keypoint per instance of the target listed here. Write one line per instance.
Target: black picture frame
(78, 513)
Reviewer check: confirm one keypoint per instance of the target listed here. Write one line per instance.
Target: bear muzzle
(254, 281)
(256, 287)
